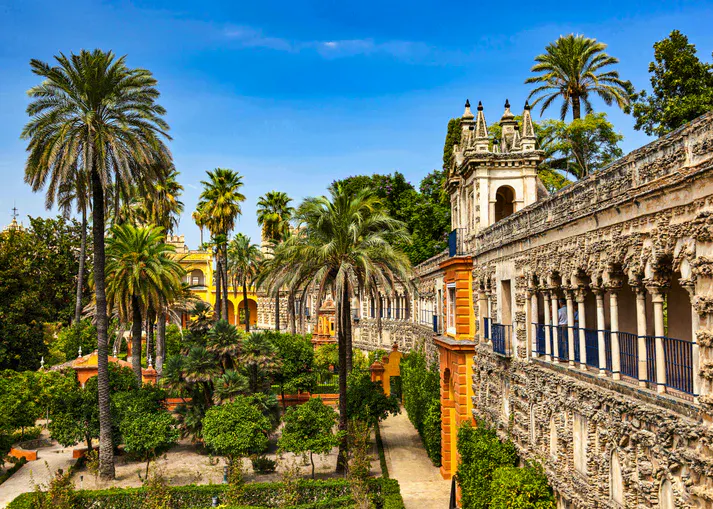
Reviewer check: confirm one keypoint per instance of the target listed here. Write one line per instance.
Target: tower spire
(528, 130)
(481, 131)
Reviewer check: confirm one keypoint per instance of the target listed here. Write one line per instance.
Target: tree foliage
(309, 428)
(583, 146)
(481, 454)
(421, 385)
(235, 430)
(521, 488)
(573, 68)
(366, 401)
(149, 434)
(681, 87)
(38, 274)
(297, 355)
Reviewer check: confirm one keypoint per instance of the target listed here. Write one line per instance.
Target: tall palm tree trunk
(277, 311)
(224, 275)
(150, 317)
(343, 418)
(246, 307)
(576, 108)
(346, 324)
(291, 312)
(80, 272)
(161, 340)
(106, 446)
(136, 337)
(217, 282)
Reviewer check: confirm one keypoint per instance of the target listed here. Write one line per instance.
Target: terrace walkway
(21, 481)
(421, 483)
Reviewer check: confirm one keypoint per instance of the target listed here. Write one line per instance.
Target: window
(504, 202)
(579, 437)
(616, 481)
(451, 303)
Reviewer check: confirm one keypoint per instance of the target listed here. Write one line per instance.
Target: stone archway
(504, 202)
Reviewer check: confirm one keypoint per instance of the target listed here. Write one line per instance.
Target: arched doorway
(231, 313)
(252, 307)
(504, 202)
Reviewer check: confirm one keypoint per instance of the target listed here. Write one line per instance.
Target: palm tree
(244, 261)
(273, 214)
(219, 207)
(141, 272)
(344, 244)
(259, 359)
(200, 221)
(93, 112)
(572, 68)
(224, 341)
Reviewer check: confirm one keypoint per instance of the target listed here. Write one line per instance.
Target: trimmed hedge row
(312, 494)
(421, 386)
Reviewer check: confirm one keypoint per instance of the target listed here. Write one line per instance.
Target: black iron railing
(678, 355)
(540, 348)
(629, 354)
(456, 242)
(502, 339)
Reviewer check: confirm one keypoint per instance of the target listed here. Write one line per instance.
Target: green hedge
(489, 477)
(312, 494)
(421, 389)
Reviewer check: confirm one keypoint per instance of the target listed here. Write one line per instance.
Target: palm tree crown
(273, 214)
(572, 68)
(219, 203)
(140, 264)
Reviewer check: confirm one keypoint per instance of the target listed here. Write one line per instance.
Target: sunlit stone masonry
(579, 324)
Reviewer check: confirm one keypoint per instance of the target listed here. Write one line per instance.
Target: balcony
(638, 355)
(500, 335)
(456, 242)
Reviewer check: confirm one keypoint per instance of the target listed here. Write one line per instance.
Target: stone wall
(408, 335)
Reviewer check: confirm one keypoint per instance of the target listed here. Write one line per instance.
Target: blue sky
(297, 94)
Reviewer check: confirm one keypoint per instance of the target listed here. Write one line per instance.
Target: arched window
(504, 202)
(197, 278)
(666, 498)
(616, 481)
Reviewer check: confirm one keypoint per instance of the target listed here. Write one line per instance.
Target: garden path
(422, 486)
(21, 481)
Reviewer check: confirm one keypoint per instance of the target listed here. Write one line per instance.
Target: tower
(491, 179)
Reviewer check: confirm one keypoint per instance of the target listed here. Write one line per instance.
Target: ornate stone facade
(589, 315)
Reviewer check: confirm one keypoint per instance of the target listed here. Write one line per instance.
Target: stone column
(548, 331)
(658, 297)
(555, 330)
(641, 333)
(695, 349)
(614, 318)
(570, 326)
(482, 312)
(581, 295)
(599, 294)
(534, 313)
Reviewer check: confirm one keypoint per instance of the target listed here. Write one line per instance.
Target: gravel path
(421, 483)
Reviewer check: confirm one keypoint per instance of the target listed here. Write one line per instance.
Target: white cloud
(253, 38)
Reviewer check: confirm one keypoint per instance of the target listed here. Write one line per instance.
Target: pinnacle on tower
(515, 145)
(467, 114)
(508, 114)
(528, 131)
(481, 131)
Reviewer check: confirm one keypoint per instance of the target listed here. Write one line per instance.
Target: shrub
(263, 464)
(149, 435)
(481, 454)
(366, 400)
(421, 391)
(236, 429)
(308, 428)
(525, 488)
(309, 495)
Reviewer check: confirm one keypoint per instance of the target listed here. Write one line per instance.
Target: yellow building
(199, 268)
